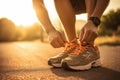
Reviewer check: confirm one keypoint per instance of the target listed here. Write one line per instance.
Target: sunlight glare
(82, 17)
(51, 8)
(19, 11)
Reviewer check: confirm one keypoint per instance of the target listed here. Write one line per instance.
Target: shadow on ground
(100, 73)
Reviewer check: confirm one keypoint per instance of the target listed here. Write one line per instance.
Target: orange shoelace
(96, 48)
(70, 45)
(79, 49)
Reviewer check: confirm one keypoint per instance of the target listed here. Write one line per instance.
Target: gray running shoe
(69, 48)
(83, 58)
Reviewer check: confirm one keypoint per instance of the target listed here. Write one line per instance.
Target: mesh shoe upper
(82, 55)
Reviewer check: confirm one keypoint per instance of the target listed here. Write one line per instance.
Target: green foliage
(110, 23)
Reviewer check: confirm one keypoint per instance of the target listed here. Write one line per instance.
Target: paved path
(28, 61)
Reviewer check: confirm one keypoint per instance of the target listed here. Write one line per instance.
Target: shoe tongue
(84, 43)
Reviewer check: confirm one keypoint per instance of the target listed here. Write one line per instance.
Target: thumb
(81, 35)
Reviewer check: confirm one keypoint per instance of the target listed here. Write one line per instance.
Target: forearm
(42, 15)
(90, 6)
(100, 7)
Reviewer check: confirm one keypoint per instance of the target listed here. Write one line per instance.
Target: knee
(57, 1)
(61, 1)
(35, 2)
(38, 1)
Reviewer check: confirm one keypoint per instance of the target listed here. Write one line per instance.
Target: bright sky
(21, 11)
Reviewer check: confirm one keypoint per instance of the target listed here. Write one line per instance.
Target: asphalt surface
(28, 61)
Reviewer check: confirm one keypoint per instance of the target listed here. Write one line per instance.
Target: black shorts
(78, 6)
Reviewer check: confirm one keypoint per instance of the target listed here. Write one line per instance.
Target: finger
(81, 35)
(56, 44)
(62, 42)
(91, 37)
(53, 45)
(85, 36)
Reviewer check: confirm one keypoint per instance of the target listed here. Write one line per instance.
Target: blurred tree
(39, 31)
(110, 23)
(20, 33)
(34, 32)
(7, 30)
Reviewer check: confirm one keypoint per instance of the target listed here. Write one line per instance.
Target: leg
(67, 17)
(42, 15)
(90, 6)
(55, 38)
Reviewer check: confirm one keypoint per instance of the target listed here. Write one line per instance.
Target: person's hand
(56, 39)
(88, 33)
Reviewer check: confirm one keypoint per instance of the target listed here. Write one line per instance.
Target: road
(28, 61)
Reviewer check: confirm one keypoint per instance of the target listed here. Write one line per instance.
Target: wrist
(50, 30)
(95, 20)
(91, 22)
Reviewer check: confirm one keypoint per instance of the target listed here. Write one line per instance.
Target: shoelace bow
(70, 45)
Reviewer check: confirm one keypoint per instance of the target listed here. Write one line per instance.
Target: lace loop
(70, 45)
(79, 49)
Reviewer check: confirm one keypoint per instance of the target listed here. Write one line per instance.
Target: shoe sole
(58, 65)
(95, 63)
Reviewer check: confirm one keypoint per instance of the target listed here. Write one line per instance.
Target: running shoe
(82, 58)
(55, 61)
